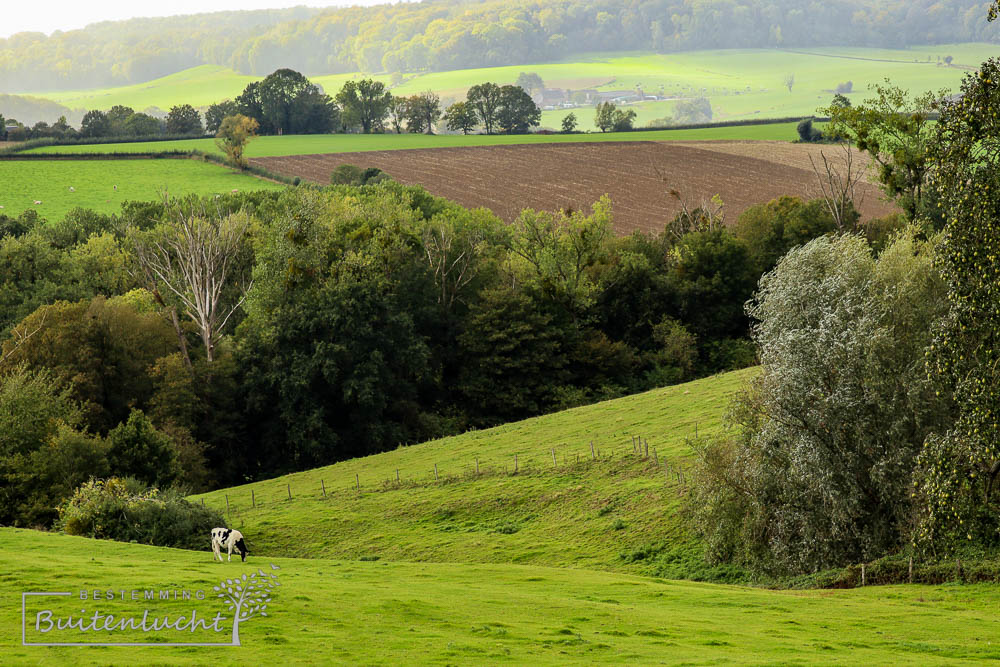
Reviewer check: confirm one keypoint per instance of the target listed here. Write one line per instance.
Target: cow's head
(242, 546)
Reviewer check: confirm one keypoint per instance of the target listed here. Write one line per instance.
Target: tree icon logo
(247, 596)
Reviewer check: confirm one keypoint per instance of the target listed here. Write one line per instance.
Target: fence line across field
(640, 449)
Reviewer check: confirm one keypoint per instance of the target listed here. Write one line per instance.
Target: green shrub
(128, 511)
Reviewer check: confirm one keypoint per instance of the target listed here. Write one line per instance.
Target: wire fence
(518, 464)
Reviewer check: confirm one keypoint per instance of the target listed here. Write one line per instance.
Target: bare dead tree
(839, 186)
(452, 259)
(195, 258)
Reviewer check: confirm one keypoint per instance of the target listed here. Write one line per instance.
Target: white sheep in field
(72, 189)
(38, 202)
(235, 190)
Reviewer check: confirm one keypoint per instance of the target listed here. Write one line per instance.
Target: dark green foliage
(772, 229)
(513, 358)
(713, 278)
(517, 112)
(807, 132)
(485, 100)
(460, 116)
(960, 466)
(33, 410)
(348, 174)
(184, 119)
(216, 112)
(129, 511)
(47, 476)
(364, 103)
(137, 449)
(99, 348)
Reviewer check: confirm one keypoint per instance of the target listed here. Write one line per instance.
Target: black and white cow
(226, 537)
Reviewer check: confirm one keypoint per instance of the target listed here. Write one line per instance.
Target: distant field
(352, 143)
(740, 83)
(391, 613)
(637, 175)
(22, 182)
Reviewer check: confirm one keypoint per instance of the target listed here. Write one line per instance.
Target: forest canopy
(452, 34)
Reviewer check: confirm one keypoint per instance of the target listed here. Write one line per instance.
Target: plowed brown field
(637, 176)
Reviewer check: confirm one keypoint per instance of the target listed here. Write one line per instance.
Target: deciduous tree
(184, 119)
(234, 134)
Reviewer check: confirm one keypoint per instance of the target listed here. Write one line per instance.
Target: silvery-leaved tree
(200, 260)
(247, 597)
(819, 472)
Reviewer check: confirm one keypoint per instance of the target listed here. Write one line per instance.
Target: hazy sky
(50, 15)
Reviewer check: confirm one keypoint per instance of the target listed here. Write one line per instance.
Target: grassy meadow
(741, 84)
(389, 613)
(309, 144)
(22, 182)
(619, 512)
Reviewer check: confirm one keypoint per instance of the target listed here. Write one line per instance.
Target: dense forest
(452, 34)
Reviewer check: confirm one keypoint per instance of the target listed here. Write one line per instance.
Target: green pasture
(102, 185)
(612, 509)
(741, 84)
(387, 613)
(354, 143)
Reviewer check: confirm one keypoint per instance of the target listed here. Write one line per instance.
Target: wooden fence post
(323, 484)
(289, 491)
(515, 464)
(435, 472)
(357, 481)
(656, 458)
(397, 475)
(554, 464)
(592, 456)
(227, 503)
(477, 465)
(646, 455)
(862, 574)
(911, 568)
(202, 502)
(253, 500)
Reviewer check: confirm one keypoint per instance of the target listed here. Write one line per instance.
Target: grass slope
(26, 181)
(619, 512)
(378, 613)
(354, 143)
(745, 83)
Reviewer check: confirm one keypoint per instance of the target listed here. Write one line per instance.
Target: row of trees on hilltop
(445, 35)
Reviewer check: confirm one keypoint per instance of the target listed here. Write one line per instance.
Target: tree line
(445, 35)
(206, 342)
(286, 102)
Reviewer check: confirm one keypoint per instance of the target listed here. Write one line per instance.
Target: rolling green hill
(616, 512)
(741, 84)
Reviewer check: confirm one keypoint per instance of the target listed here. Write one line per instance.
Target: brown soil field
(637, 175)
